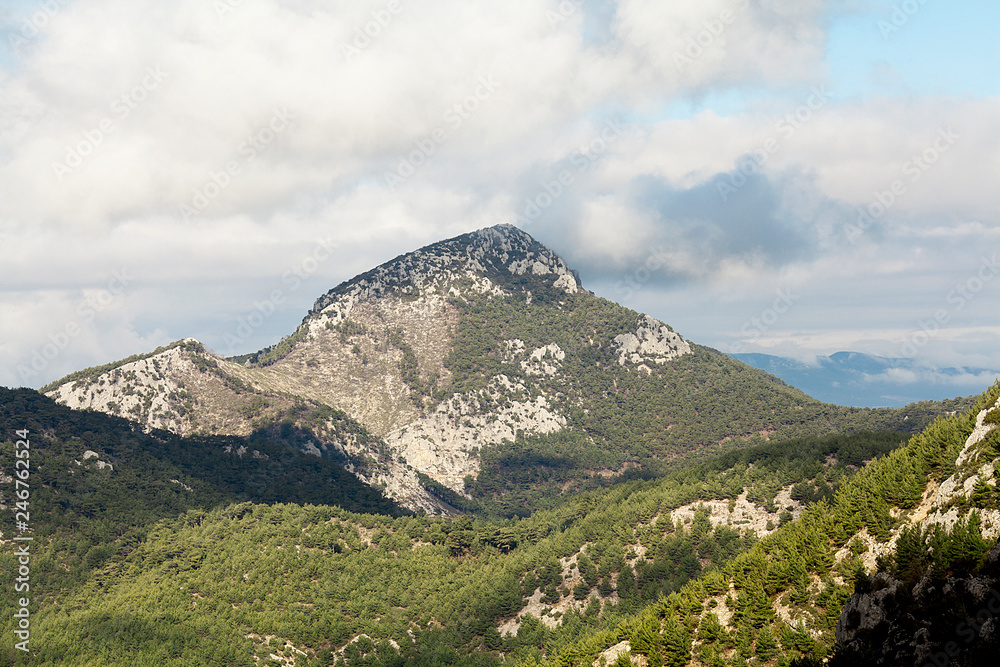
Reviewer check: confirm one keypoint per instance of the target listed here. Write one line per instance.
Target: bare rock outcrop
(952, 621)
(652, 342)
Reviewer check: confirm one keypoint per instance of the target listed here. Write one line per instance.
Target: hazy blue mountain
(864, 380)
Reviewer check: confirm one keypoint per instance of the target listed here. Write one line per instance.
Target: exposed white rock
(653, 341)
(399, 481)
(514, 349)
(287, 654)
(968, 472)
(544, 360)
(339, 307)
(745, 515)
(567, 283)
(445, 443)
(551, 349)
(551, 614)
(136, 389)
(934, 507)
(610, 656)
(182, 484)
(101, 465)
(979, 434)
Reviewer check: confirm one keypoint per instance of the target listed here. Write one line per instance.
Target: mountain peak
(500, 260)
(503, 236)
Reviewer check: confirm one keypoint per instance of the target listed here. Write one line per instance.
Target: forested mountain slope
(483, 377)
(747, 556)
(88, 465)
(924, 518)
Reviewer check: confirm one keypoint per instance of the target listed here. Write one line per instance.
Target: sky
(792, 177)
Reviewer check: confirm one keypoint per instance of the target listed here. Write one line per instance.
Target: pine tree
(767, 644)
(627, 589)
(676, 643)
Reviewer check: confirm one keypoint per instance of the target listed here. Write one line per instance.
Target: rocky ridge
(479, 261)
(942, 503)
(944, 620)
(975, 466)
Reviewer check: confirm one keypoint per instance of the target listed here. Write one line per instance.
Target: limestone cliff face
(953, 621)
(181, 388)
(149, 390)
(974, 465)
(444, 443)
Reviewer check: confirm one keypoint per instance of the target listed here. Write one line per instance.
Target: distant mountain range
(864, 380)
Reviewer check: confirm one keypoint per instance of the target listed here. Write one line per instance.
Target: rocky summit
(481, 261)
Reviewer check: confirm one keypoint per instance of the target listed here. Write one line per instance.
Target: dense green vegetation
(172, 578)
(778, 569)
(88, 512)
(620, 419)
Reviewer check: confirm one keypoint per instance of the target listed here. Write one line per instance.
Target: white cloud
(486, 102)
(694, 45)
(930, 376)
